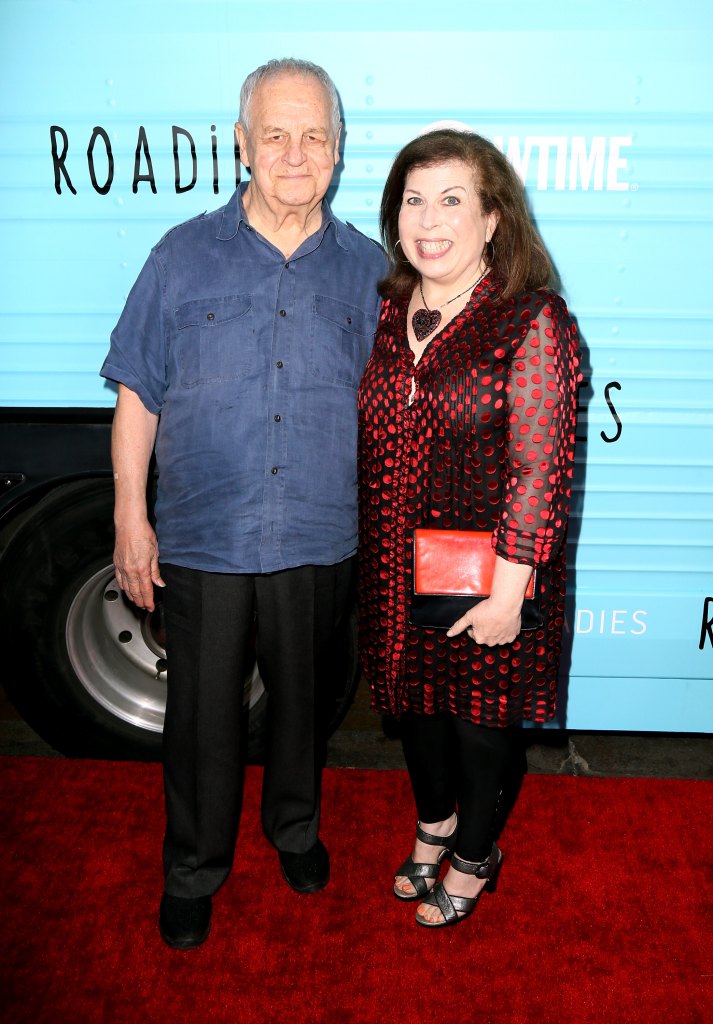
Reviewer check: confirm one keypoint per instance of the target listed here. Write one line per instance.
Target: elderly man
(238, 355)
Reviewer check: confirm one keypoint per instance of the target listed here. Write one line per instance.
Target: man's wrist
(130, 517)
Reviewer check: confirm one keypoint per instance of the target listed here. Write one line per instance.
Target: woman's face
(442, 227)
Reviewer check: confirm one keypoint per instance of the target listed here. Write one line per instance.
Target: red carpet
(603, 910)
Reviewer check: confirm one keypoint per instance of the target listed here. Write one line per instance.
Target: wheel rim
(117, 654)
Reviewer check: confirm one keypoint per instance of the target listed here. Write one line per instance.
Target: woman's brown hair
(520, 259)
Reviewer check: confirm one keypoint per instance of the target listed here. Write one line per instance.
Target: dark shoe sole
(304, 889)
(184, 944)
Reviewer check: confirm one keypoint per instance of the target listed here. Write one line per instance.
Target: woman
(467, 422)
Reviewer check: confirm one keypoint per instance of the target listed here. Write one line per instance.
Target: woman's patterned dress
(478, 436)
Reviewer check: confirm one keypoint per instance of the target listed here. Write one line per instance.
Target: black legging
(455, 764)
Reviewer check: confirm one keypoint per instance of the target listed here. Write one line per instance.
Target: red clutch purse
(452, 571)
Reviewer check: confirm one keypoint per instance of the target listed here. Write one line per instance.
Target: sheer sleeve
(542, 409)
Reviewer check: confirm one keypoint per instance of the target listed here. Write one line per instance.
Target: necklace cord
(470, 288)
(425, 321)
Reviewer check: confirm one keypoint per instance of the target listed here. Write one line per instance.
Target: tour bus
(117, 128)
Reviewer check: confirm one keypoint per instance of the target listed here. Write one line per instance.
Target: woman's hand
(488, 623)
(496, 620)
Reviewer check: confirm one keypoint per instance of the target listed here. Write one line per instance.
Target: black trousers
(210, 620)
(455, 765)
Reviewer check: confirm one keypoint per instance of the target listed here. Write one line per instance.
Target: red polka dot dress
(479, 435)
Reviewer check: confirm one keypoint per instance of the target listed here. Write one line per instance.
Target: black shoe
(418, 872)
(306, 872)
(456, 908)
(184, 923)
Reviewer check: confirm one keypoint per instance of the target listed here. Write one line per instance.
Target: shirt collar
(234, 218)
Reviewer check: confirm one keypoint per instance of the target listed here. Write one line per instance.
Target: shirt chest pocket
(341, 341)
(216, 340)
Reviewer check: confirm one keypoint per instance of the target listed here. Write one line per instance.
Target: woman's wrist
(506, 604)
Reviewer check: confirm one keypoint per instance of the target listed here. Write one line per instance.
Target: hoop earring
(489, 257)
(399, 257)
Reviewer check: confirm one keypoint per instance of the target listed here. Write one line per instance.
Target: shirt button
(279, 364)
(211, 316)
(277, 418)
(349, 319)
(287, 266)
(273, 470)
(283, 312)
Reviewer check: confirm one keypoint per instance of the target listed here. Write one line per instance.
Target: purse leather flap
(459, 562)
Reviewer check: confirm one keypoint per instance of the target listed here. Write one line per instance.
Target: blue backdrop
(606, 111)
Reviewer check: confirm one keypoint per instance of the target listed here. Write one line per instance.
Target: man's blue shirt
(252, 361)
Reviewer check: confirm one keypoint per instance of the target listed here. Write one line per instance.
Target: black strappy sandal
(457, 908)
(416, 872)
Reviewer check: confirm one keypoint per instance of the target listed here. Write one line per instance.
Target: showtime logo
(576, 162)
(562, 163)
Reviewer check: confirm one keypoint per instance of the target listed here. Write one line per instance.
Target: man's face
(291, 148)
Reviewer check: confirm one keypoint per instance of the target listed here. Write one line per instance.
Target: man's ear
(336, 145)
(242, 140)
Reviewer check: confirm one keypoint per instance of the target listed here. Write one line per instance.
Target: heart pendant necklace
(425, 321)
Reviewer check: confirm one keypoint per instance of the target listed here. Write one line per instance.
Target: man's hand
(136, 563)
(136, 551)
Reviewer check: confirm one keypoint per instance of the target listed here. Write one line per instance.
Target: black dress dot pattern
(479, 435)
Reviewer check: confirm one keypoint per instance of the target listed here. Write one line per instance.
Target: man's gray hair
(287, 66)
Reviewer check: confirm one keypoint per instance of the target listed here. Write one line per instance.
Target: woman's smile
(432, 248)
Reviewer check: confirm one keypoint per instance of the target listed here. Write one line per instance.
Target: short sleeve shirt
(252, 362)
